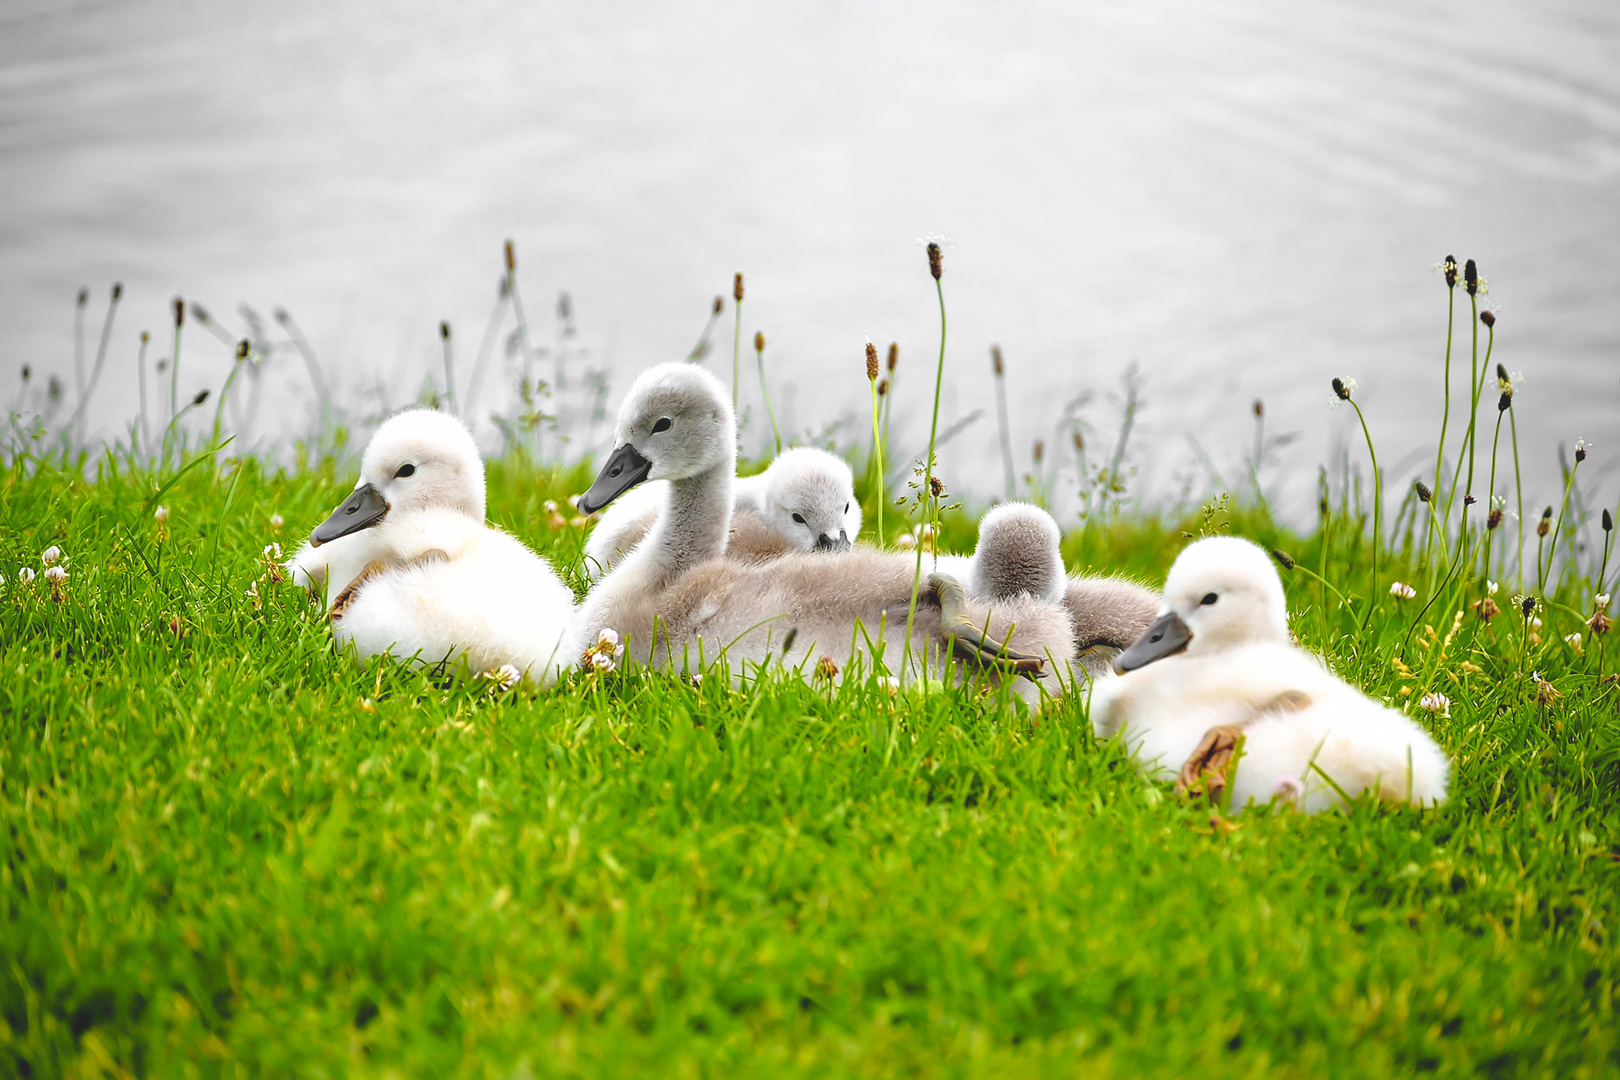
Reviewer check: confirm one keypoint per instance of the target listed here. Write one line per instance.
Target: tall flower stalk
(877, 440)
(1342, 389)
(736, 339)
(999, 370)
(936, 268)
(1450, 269)
(759, 356)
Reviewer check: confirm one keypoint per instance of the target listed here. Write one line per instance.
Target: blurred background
(1235, 201)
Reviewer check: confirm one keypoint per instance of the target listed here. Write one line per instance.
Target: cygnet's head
(810, 500)
(419, 459)
(1222, 592)
(675, 423)
(1017, 555)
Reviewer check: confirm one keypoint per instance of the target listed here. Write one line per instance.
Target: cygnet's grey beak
(624, 470)
(363, 508)
(1167, 636)
(825, 542)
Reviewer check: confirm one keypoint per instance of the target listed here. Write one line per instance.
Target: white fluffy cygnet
(1018, 554)
(1218, 666)
(409, 568)
(805, 501)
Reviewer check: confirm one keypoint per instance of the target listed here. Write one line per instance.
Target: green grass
(229, 850)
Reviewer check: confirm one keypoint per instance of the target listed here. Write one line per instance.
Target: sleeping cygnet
(1018, 555)
(805, 501)
(409, 568)
(1218, 668)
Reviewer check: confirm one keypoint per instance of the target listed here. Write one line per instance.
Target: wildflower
(1544, 526)
(1488, 317)
(1602, 600)
(1491, 587)
(608, 640)
(1503, 383)
(759, 341)
(871, 362)
(549, 506)
(1580, 450)
(1423, 492)
(56, 575)
(1436, 702)
(25, 576)
(601, 662)
(161, 515)
(1487, 609)
(883, 388)
(1290, 789)
(1469, 500)
(1342, 388)
(50, 555)
(894, 356)
(1504, 403)
(1402, 590)
(1493, 519)
(1547, 695)
(272, 552)
(904, 540)
(276, 522)
(934, 261)
(936, 486)
(737, 287)
(1574, 642)
(1450, 268)
(1527, 605)
(504, 677)
(826, 668)
(1471, 278)
(1599, 623)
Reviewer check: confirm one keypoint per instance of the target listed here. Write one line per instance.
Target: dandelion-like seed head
(50, 555)
(871, 362)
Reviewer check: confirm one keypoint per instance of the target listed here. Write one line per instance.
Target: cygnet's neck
(695, 522)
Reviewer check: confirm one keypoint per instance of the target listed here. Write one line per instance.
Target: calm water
(1244, 198)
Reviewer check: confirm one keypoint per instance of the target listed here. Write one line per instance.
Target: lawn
(228, 849)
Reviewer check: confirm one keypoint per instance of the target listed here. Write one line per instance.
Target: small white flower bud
(1402, 590)
(25, 576)
(161, 514)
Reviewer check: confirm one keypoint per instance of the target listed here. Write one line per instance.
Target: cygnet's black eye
(1209, 598)
(846, 508)
(662, 425)
(800, 519)
(404, 470)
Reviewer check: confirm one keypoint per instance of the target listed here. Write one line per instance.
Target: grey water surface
(1244, 199)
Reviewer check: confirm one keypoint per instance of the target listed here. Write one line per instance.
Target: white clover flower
(1436, 702)
(25, 576)
(50, 555)
(160, 515)
(272, 551)
(602, 662)
(549, 506)
(609, 639)
(1402, 590)
(506, 676)
(905, 540)
(1490, 588)
(1289, 787)
(252, 591)
(277, 521)
(57, 574)
(1602, 599)
(1535, 622)
(1574, 642)
(1535, 676)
